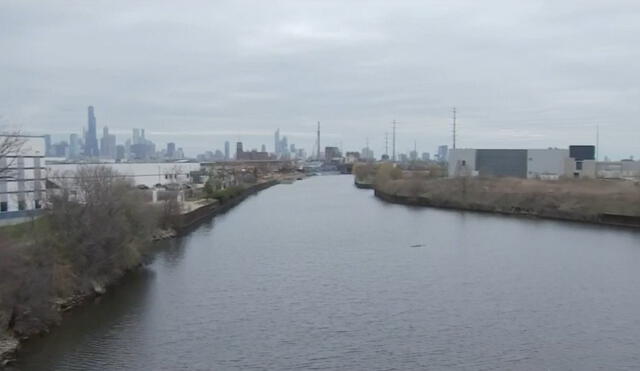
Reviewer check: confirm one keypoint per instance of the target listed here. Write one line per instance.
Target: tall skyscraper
(171, 150)
(227, 150)
(276, 142)
(263, 148)
(238, 150)
(107, 144)
(91, 140)
(136, 137)
(284, 146)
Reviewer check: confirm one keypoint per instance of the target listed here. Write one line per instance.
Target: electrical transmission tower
(454, 128)
(394, 141)
(386, 143)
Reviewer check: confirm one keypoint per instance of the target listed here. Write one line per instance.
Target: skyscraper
(276, 140)
(107, 144)
(47, 145)
(227, 149)
(442, 153)
(171, 150)
(74, 146)
(91, 140)
(238, 150)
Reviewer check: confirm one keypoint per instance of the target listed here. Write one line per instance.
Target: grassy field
(571, 196)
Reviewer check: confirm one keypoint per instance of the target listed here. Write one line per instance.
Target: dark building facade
(582, 152)
(502, 162)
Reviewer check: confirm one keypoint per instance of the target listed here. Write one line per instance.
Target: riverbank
(185, 222)
(363, 184)
(597, 202)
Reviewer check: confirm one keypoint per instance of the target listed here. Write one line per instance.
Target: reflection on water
(321, 275)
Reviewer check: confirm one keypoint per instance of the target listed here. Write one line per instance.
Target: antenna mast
(386, 143)
(318, 140)
(597, 142)
(454, 128)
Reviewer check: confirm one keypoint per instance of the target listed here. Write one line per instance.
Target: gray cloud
(522, 74)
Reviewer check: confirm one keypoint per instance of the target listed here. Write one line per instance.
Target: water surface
(321, 275)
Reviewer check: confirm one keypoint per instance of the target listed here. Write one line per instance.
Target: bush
(95, 229)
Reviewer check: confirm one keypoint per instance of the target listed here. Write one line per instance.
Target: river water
(321, 275)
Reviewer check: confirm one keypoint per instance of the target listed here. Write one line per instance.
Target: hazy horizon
(522, 75)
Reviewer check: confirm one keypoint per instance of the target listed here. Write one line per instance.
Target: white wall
(545, 162)
(148, 174)
(457, 156)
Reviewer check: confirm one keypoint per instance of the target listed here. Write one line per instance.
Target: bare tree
(10, 145)
(99, 223)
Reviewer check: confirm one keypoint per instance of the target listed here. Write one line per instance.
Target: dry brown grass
(575, 196)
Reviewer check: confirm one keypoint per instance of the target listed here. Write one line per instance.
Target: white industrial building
(22, 179)
(522, 163)
(147, 174)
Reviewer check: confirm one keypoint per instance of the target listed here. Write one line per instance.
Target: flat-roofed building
(548, 163)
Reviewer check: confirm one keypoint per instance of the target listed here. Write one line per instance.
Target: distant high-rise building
(137, 138)
(227, 150)
(179, 154)
(107, 144)
(426, 156)
(367, 154)
(91, 139)
(238, 150)
(263, 148)
(331, 152)
(442, 153)
(60, 149)
(284, 146)
(74, 146)
(171, 150)
(276, 140)
(120, 152)
(47, 145)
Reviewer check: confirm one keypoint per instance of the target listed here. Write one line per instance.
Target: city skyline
(534, 76)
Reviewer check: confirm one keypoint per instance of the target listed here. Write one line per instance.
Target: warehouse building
(519, 163)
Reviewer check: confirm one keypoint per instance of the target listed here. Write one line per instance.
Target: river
(321, 275)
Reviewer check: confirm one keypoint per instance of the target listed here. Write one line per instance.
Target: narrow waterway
(321, 275)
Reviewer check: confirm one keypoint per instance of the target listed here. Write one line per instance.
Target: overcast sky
(521, 74)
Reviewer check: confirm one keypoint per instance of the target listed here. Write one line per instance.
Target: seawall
(363, 185)
(188, 221)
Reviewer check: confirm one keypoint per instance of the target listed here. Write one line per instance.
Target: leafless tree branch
(10, 145)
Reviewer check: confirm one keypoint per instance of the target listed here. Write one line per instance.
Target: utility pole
(597, 142)
(318, 140)
(454, 128)
(386, 143)
(394, 141)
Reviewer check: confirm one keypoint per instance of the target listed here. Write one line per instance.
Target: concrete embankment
(189, 220)
(363, 185)
(611, 219)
